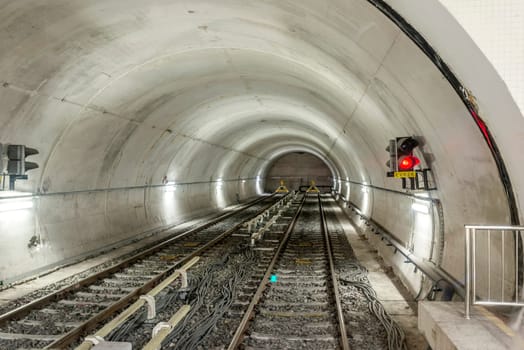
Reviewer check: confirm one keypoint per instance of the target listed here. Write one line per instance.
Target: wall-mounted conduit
(126, 188)
(437, 204)
(442, 280)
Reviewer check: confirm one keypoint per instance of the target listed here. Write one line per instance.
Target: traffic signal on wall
(402, 164)
(401, 156)
(406, 160)
(16, 164)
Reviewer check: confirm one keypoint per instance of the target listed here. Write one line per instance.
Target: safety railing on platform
(498, 270)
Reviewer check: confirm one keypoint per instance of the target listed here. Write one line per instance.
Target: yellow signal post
(282, 188)
(313, 188)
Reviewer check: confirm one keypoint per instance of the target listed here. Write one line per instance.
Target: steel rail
(92, 323)
(22, 311)
(344, 343)
(137, 305)
(25, 309)
(239, 333)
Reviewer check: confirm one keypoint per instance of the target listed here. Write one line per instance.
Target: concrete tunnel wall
(116, 95)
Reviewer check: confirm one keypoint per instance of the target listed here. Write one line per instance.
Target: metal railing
(490, 238)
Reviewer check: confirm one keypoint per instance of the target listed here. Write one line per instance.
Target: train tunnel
(147, 114)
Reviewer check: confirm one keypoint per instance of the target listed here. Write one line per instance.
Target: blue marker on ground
(273, 279)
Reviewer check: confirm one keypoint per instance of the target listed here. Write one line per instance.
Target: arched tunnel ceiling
(118, 93)
(276, 75)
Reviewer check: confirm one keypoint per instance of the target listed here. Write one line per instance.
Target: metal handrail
(471, 269)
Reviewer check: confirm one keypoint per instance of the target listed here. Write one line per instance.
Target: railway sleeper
(126, 283)
(39, 337)
(107, 288)
(296, 314)
(304, 263)
(266, 249)
(57, 324)
(284, 304)
(296, 308)
(302, 254)
(234, 313)
(85, 303)
(283, 271)
(148, 270)
(312, 328)
(308, 277)
(300, 282)
(292, 296)
(293, 338)
(100, 295)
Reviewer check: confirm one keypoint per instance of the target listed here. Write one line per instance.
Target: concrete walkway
(445, 327)
(392, 294)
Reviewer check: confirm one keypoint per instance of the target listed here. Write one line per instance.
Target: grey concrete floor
(447, 329)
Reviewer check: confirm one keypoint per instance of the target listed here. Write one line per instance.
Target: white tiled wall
(497, 26)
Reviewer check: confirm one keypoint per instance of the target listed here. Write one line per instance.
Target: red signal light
(408, 163)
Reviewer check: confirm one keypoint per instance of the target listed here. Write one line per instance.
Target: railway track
(220, 286)
(59, 319)
(301, 306)
(229, 297)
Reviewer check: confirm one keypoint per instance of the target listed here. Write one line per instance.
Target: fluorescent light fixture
(243, 181)
(170, 186)
(421, 208)
(15, 204)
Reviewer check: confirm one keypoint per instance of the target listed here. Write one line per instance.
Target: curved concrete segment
(146, 113)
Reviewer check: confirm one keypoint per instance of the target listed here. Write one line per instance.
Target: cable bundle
(357, 278)
(189, 336)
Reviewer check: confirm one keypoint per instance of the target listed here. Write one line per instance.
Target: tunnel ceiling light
(15, 204)
(421, 208)
(170, 186)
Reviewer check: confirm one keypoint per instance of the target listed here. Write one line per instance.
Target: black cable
(357, 278)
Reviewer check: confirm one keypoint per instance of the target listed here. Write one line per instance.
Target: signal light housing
(401, 156)
(407, 163)
(17, 165)
(13, 162)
